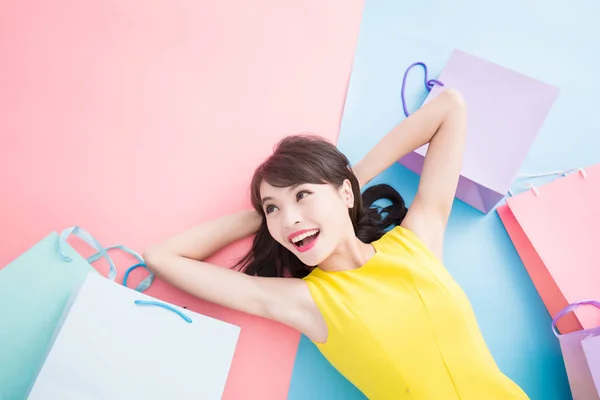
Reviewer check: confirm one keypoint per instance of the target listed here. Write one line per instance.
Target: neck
(350, 254)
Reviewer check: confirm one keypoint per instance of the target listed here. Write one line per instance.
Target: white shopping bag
(117, 343)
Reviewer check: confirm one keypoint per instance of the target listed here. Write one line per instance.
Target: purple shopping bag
(506, 110)
(581, 355)
(591, 349)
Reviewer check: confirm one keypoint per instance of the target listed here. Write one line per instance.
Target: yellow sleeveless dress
(400, 327)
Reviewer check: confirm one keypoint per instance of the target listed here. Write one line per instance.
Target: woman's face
(310, 220)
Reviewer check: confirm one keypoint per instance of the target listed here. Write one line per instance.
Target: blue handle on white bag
(102, 253)
(165, 306)
(143, 285)
(89, 239)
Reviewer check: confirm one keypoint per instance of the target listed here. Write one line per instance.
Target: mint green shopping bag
(34, 289)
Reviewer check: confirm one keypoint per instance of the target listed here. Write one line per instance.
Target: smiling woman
(378, 303)
(310, 198)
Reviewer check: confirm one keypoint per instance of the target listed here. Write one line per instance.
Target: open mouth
(306, 240)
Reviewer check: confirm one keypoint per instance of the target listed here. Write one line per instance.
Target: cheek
(275, 232)
(271, 228)
(333, 216)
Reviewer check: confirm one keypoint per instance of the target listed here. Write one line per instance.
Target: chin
(310, 263)
(312, 257)
(312, 260)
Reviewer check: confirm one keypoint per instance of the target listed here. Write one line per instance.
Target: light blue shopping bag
(34, 289)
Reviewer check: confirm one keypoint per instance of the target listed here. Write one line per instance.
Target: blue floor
(548, 40)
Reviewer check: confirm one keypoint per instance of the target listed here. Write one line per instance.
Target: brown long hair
(311, 159)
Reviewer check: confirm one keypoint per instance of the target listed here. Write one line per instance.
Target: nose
(291, 216)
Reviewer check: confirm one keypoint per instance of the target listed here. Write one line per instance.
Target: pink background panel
(136, 120)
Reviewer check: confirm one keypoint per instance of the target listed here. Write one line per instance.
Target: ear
(346, 193)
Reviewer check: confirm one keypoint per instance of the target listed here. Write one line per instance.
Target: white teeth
(298, 238)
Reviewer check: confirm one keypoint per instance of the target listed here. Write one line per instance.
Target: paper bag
(578, 349)
(591, 349)
(34, 289)
(555, 229)
(116, 343)
(506, 111)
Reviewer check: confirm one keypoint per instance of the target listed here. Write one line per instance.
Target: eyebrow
(269, 198)
(265, 199)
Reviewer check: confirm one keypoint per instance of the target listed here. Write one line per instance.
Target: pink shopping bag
(555, 229)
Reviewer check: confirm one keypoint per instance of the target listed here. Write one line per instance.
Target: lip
(289, 238)
(306, 248)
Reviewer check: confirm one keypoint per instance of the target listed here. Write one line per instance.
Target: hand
(254, 221)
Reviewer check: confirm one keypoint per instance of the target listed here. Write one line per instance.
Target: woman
(379, 305)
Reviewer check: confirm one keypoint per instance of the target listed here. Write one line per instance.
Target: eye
(270, 208)
(302, 194)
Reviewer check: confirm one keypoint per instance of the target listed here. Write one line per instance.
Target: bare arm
(178, 261)
(442, 123)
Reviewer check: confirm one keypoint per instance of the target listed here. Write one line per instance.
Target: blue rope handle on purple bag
(428, 83)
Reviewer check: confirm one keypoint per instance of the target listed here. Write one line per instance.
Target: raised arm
(443, 124)
(178, 261)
